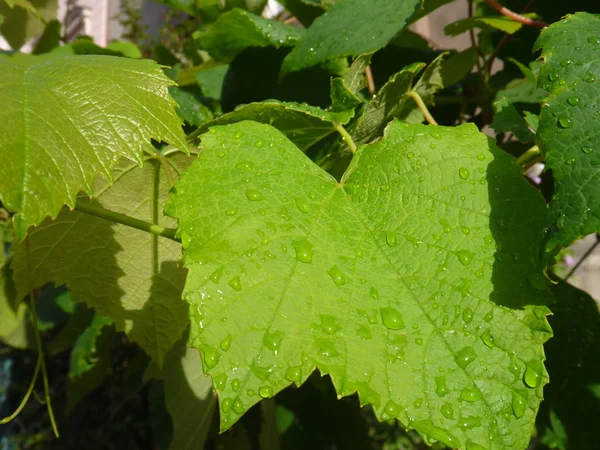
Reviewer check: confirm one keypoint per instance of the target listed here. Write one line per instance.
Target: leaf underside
(415, 281)
(569, 131)
(70, 119)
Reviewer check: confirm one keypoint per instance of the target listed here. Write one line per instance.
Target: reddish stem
(514, 16)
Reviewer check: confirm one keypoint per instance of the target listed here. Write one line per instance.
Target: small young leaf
(388, 280)
(354, 77)
(303, 124)
(507, 118)
(68, 120)
(501, 23)
(568, 125)
(237, 30)
(83, 356)
(349, 28)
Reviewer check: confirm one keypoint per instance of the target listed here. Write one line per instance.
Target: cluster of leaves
(309, 221)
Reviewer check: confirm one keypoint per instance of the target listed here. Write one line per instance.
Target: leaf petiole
(345, 136)
(530, 156)
(132, 222)
(419, 101)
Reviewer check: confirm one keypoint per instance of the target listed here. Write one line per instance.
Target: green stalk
(345, 136)
(421, 105)
(533, 154)
(113, 216)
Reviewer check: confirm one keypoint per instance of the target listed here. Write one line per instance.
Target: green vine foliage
(308, 194)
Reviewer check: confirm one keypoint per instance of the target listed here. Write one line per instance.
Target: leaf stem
(370, 81)
(38, 341)
(514, 16)
(419, 101)
(530, 155)
(27, 394)
(345, 136)
(584, 257)
(132, 222)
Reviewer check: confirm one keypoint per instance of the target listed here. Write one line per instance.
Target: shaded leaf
(237, 30)
(568, 132)
(128, 275)
(191, 108)
(328, 275)
(59, 133)
(349, 28)
(568, 413)
(50, 38)
(354, 77)
(508, 119)
(189, 397)
(211, 80)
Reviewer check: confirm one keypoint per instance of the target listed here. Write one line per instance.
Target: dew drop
(337, 276)
(586, 150)
(303, 206)
(260, 143)
(593, 40)
(570, 161)
(392, 409)
(518, 405)
(566, 62)
(489, 316)
(211, 358)
(573, 100)
(220, 381)
(467, 315)
(238, 407)
(226, 405)
(374, 293)
(463, 172)
(273, 341)
(265, 391)
(254, 195)
(533, 374)
(294, 374)
(226, 343)
(239, 134)
(235, 385)
(244, 165)
(470, 394)
(590, 78)
(392, 318)
(468, 423)
(231, 212)
(390, 238)
(235, 283)
(553, 76)
(304, 251)
(565, 122)
(481, 157)
(329, 324)
(465, 357)
(488, 339)
(447, 410)
(465, 257)
(479, 273)
(432, 146)
(384, 187)
(441, 388)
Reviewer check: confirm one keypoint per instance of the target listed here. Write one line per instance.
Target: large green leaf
(303, 124)
(414, 281)
(349, 28)
(128, 275)
(569, 126)
(65, 121)
(238, 30)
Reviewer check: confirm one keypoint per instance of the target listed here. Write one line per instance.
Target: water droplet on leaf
(470, 394)
(235, 283)
(254, 195)
(463, 172)
(488, 339)
(265, 391)
(304, 251)
(533, 374)
(465, 357)
(465, 257)
(518, 405)
(337, 276)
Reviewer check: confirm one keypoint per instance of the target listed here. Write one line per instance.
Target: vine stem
(419, 101)
(370, 81)
(38, 340)
(530, 155)
(514, 16)
(583, 258)
(27, 394)
(132, 222)
(345, 136)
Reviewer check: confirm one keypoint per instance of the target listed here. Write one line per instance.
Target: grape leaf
(237, 30)
(349, 28)
(508, 118)
(389, 281)
(303, 124)
(67, 120)
(568, 131)
(501, 23)
(191, 109)
(128, 275)
(25, 19)
(574, 367)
